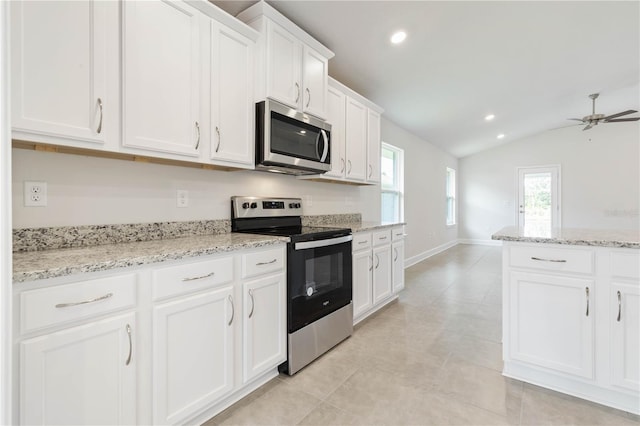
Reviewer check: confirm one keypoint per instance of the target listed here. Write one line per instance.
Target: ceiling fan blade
(562, 127)
(623, 119)
(590, 125)
(575, 119)
(620, 114)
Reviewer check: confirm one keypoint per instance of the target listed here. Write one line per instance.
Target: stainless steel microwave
(291, 142)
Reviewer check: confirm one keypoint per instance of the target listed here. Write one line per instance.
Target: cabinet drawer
(361, 241)
(397, 233)
(552, 259)
(262, 262)
(56, 305)
(625, 264)
(382, 237)
(186, 278)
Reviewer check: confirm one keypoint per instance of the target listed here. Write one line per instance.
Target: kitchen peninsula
(571, 303)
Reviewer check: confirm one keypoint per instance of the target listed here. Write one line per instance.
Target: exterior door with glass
(539, 199)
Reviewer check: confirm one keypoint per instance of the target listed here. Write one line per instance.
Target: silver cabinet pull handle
(97, 299)
(130, 345)
(342, 169)
(233, 310)
(308, 93)
(297, 93)
(198, 140)
(395, 251)
(383, 238)
(349, 168)
(363, 242)
(99, 129)
(587, 294)
(540, 259)
(370, 170)
(219, 138)
(210, 274)
(253, 303)
(619, 306)
(266, 263)
(371, 258)
(377, 261)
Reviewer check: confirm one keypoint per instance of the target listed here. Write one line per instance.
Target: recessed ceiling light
(398, 37)
(490, 117)
(501, 136)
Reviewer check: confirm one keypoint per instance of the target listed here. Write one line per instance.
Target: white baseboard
(479, 242)
(427, 254)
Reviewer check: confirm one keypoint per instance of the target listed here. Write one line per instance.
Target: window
(451, 197)
(392, 183)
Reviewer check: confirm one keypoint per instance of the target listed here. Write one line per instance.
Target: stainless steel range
(319, 287)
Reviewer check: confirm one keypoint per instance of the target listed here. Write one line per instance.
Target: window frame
(398, 188)
(450, 197)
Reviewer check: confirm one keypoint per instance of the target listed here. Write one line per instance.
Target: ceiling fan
(594, 119)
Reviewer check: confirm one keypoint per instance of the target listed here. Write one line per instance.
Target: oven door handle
(322, 243)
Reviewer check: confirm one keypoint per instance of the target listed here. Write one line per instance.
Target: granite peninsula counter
(573, 236)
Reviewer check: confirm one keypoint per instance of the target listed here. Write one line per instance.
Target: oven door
(319, 279)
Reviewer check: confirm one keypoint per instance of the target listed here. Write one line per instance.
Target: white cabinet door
(192, 354)
(362, 284)
(232, 107)
(625, 335)
(381, 273)
(284, 80)
(356, 140)
(265, 325)
(315, 68)
(81, 375)
(336, 103)
(397, 266)
(373, 146)
(64, 59)
(161, 71)
(551, 322)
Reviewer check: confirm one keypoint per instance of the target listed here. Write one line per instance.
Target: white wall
(424, 190)
(87, 190)
(600, 179)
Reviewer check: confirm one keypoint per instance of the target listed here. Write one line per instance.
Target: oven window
(322, 275)
(295, 138)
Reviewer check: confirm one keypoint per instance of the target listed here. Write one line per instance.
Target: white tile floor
(432, 358)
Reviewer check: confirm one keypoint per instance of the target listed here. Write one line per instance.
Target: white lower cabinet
(173, 343)
(193, 354)
(552, 322)
(80, 375)
(571, 320)
(264, 325)
(377, 276)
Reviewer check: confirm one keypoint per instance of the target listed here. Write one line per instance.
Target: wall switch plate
(35, 194)
(182, 199)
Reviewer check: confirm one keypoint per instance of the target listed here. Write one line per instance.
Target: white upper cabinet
(161, 72)
(293, 66)
(232, 112)
(373, 146)
(356, 140)
(315, 71)
(336, 104)
(64, 59)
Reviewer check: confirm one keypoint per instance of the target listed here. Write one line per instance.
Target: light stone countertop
(366, 226)
(38, 265)
(574, 236)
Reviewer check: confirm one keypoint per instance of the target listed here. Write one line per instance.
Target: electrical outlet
(182, 199)
(35, 194)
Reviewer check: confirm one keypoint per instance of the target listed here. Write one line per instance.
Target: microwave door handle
(325, 151)
(318, 145)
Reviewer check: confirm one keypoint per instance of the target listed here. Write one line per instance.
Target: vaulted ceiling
(531, 64)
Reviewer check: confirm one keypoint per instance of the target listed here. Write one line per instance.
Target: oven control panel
(245, 207)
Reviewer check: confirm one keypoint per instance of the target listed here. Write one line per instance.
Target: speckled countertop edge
(574, 236)
(39, 265)
(367, 225)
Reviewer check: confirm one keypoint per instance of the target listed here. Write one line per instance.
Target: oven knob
(292, 205)
(245, 205)
(298, 205)
(254, 205)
